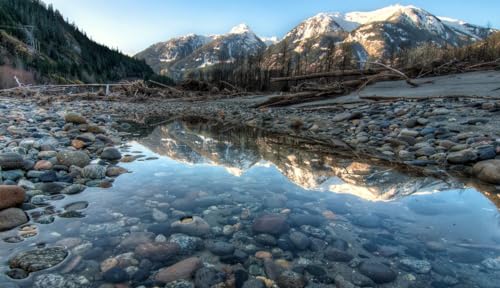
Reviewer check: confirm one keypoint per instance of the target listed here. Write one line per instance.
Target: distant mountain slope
(319, 43)
(240, 42)
(37, 40)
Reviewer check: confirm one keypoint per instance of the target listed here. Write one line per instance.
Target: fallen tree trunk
(328, 74)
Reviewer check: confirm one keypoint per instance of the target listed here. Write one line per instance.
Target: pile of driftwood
(346, 81)
(320, 86)
(136, 91)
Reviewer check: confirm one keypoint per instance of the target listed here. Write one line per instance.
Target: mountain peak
(240, 29)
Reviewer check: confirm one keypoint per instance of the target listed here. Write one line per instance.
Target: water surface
(229, 178)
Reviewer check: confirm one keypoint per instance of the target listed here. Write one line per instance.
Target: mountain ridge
(377, 34)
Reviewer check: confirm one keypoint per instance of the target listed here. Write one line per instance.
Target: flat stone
(38, 259)
(11, 196)
(43, 165)
(462, 157)
(220, 248)
(291, 279)
(184, 269)
(12, 217)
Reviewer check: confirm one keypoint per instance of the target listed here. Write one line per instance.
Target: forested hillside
(36, 41)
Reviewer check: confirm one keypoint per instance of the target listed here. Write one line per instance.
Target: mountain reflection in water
(308, 167)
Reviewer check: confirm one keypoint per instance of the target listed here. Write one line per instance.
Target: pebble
(11, 218)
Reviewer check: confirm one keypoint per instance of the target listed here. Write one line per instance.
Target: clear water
(452, 227)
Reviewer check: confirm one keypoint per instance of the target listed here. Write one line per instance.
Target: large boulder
(11, 196)
(184, 269)
(9, 161)
(487, 171)
(76, 158)
(12, 217)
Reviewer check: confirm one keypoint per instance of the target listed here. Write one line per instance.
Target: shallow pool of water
(267, 204)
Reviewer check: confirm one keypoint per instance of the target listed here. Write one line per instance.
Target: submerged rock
(61, 281)
(270, 224)
(193, 226)
(12, 217)
(377, 272)
(184, 269)
(39, 259)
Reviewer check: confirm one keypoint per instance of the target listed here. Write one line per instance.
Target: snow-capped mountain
(310, 46)
(162, 55)
(201, 52)
(377, 34)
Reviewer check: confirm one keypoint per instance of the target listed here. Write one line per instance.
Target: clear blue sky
(132, 25)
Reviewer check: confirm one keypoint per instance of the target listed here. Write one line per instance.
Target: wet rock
(11, 196)
(158, 251)
(73, 189)
(159, 216)
(39, 259)
(75, 206)
(377, 272)
(184, 269)
(115, 275)
(76, 118)
(207, 277)
(12, 217)
(415, 265)
(76, 158)
(367, 221)
(462, 157)
(273, 270)
(193, 226)
(306, 219)
(111, 153)
(240, 276)
(10, 161)
(253, 283)
(486, 153)
(50, 187)
(114, 171)
(291, 279)
(487, 171)
(270, 224)
(266, 239)
(188, 244)
(43, 165)
(16, 274)
(300, 240)
(61, 281)
(94, 171)
(337, 255)
(220, 248)
(341, 117)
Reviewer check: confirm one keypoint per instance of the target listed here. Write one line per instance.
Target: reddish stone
(270, 224)
(11, 196)
(180, 270)
(43, 165)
